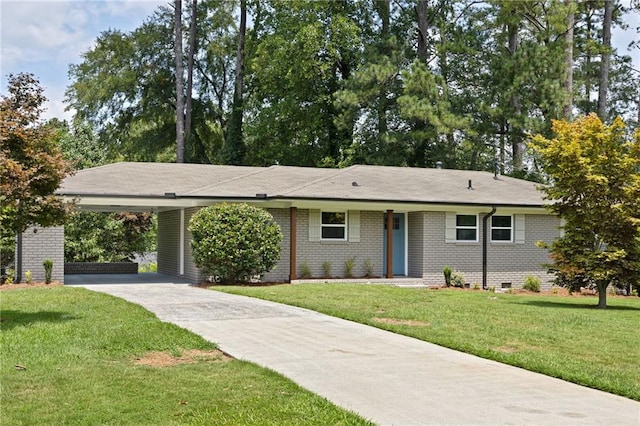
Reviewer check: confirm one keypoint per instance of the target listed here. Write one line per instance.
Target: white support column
(181, 248)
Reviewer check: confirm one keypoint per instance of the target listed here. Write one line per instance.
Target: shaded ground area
(141, 278)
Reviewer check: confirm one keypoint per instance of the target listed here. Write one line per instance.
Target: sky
(44, 37)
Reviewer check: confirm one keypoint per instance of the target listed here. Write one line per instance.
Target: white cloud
(44, 37)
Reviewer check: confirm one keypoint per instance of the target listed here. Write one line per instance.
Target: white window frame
(510, 228)
(475, 228)
(334, 225)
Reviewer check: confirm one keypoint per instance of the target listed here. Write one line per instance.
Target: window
(396, 223)
(501, 228)
(334, 226)
(466, 227)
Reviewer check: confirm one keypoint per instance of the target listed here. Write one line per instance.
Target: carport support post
(389, 243)
(293, 236)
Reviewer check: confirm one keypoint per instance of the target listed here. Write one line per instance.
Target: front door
(398, 245)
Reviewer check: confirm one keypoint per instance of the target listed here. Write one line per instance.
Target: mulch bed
(5, 287)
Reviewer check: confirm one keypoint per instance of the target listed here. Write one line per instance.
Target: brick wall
(100, 268)
(39, 244)
(280, 272)
(506, 262)
(370, 247)
(191, 272)
(415, 245)
(169, 242)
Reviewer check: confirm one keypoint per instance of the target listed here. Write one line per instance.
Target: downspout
(485, 220)
(18, 277)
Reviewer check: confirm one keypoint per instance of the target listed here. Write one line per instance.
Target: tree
(594, 173)
(304, 51)
(177, 47)
(108, 237)
(234, 149)
(31, 163)
(99, 236)
(234, 241)
(605, 60)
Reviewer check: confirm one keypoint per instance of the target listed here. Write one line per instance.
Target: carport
(161, 188)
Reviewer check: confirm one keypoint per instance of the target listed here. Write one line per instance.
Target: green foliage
(531, 283)
(125, 85)
(326, 269)
(305, 270)
(337, 83)
(447, 270)
(44, 329)
(234, 242)
(457, 279)
(349, 264)
(79, 145)
(595, 187)
(31, 164)
(108, 237)
(368, 268)
(48, 268)
(7, 248)
(10, 276)
(148, 267)
(28, 276)
(302, 54)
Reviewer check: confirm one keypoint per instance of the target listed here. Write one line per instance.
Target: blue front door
(398, 245)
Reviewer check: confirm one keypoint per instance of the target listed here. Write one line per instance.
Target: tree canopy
(31, 163)
(332, 83)
(594, 172)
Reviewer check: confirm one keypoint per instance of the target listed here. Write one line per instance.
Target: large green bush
(234, 242)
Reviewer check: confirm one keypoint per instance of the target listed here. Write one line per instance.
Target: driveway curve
(385, 377)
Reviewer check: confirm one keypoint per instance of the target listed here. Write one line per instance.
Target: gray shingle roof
(355, 183)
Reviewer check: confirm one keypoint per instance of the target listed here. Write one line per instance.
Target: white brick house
(400, 221)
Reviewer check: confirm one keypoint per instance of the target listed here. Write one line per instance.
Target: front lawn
(565, 337)
(72, 356)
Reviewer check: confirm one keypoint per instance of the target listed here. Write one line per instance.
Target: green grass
(563, 337)
(79, 349)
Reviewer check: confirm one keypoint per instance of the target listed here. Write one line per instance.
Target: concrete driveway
(387, 378)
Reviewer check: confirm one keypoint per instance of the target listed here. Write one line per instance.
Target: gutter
(485, 220)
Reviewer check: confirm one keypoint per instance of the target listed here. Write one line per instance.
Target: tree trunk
(517, 144)
(568, 60)
(587, 73)
(602, 294)
(177, 45)
(192, 52)
(384, 11)
(423, 28)
(604, 62)
(234, 149)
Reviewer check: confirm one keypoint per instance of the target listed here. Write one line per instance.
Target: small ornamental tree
(234, 242)
(31, 163)
(594, 173)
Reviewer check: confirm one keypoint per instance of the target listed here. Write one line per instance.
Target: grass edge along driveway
(72, 356)
(560, 336)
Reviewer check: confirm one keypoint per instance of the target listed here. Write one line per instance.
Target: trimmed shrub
(349, 264)
(305, 270)
(447, 275)
(457, 279)
(368, 268)
(531, 283)
(326, 269)
(234, 242)
(48, 268)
